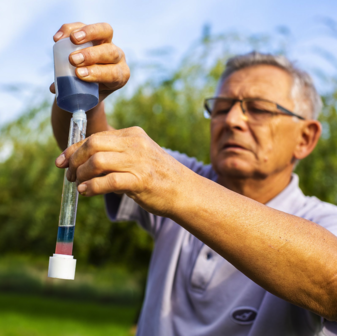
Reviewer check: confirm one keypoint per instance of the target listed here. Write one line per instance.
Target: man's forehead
(260, 81)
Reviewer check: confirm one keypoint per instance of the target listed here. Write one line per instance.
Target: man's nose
(236, 117)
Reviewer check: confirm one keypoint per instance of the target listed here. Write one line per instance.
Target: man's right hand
(104, 63)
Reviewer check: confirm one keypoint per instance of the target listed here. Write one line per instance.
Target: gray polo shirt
(192, 291)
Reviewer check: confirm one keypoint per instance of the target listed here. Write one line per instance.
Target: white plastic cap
(62, 266)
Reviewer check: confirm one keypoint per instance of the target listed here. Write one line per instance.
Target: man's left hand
(126, 161)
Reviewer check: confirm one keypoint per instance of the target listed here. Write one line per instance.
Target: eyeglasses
(257, 111)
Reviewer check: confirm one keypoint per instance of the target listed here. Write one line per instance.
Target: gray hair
(307, 101)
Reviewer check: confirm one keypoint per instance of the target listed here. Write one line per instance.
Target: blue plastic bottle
(72, 94)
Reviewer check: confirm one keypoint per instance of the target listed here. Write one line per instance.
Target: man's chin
(234, 168)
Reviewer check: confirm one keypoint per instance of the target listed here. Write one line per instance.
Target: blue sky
(28, 26)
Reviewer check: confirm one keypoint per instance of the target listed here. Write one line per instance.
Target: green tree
(169, 106)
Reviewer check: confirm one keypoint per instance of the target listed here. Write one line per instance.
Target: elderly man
(239, 250)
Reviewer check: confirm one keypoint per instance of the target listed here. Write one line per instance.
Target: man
(224, 263)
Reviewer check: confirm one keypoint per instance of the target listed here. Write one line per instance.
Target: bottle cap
(62, 266)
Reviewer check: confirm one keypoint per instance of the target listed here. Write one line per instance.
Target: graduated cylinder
(67, 220)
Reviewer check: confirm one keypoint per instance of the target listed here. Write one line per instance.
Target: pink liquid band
(64, 248)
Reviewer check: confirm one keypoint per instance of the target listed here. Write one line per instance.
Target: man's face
(242, 150)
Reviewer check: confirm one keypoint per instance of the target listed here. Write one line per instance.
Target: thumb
(118, 183)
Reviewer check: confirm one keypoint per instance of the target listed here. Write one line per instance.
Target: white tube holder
(62, 266)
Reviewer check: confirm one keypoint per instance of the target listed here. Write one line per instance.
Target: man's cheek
(267, 153)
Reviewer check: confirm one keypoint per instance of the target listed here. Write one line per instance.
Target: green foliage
(30, 196)
(169, 106)
(318, 171)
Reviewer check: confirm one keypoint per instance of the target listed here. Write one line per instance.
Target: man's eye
(258, 111)
(222, 111)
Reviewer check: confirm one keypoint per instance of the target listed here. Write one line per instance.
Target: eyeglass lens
(256, 110)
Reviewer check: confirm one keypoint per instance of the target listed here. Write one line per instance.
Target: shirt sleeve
(193, 164)
(329, 328)
(126, 209)
(324, 214)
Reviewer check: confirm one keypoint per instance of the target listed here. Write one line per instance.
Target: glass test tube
(65, 234)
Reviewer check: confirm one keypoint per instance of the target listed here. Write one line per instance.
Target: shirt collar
(290, 199)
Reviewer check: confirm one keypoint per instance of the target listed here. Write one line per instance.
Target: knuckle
(97, 161)
(137, 130)
(93, 30)
(65, 27)
(95, 72)
(69, 151)
(126, 74)
(112, 52)
(72, 166)
(121, 53)
(69, 27)
(112, 74)
(92, 144)
(94, 186)
(142, 143)
(90, 54)
(108, 75)
(112, 182)
(107, 27)
(80, 174)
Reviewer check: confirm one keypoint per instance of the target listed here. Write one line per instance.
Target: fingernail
(60, 160)
(83, 72)
(79, 36)
(77, 58)
(58, 35)
(82, 188)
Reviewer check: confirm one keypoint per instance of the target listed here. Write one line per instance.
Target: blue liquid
(75, 94)
(65, 234)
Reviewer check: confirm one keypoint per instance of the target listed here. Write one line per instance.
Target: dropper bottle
(77, 97)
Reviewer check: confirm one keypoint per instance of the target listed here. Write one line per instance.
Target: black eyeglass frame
(234, 100)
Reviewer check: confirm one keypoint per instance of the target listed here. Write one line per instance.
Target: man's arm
(104, 63)
(290, 257)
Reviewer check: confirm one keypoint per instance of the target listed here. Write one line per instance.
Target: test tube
(67, 220)
(77, 97)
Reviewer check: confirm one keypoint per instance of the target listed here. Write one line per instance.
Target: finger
(66, 29)
(114, 76)
(103, 163)
(97, 143)
(110, 141)
(52, 88)
(101, 32)
(113, 182)
(106, 53)
(62, 161)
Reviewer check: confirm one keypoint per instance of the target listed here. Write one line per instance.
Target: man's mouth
(231, 146)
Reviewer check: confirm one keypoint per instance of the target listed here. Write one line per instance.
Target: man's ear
(309, 134)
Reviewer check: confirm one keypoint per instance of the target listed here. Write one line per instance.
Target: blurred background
(176, 51)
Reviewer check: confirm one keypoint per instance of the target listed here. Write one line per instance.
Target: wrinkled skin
(249, 157)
